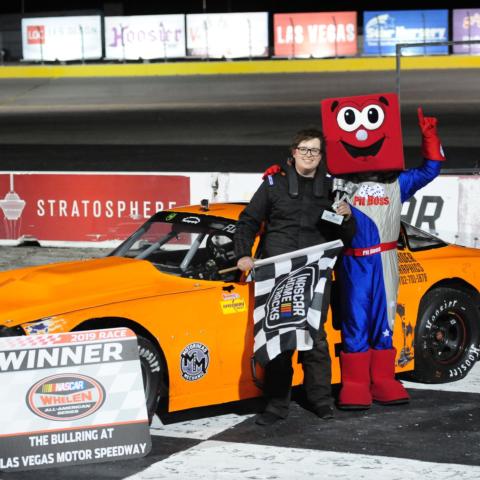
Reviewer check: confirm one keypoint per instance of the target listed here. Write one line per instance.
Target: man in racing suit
(290, 205)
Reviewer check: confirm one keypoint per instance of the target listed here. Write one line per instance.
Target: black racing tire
(153, 374)
(446, 336)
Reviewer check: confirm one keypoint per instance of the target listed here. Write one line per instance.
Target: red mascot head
(363, 134)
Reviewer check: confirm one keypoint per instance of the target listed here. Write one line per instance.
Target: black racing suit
(290, 207)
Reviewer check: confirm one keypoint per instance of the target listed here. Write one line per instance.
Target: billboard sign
(466, 26)
(62, 38)
(145, 37)
(84, 207)
(227, 35)
(382, 30)
(305, 35)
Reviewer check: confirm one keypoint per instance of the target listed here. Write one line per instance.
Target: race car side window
(419, 240)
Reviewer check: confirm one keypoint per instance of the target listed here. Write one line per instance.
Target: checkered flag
(289, 299)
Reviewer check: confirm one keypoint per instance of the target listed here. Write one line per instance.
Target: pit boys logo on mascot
(364, 151)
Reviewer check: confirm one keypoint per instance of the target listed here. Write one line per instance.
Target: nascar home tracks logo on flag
(290, 299)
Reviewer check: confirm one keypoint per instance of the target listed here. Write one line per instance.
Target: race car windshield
(185, 248)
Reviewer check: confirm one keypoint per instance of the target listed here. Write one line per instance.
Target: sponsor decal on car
(193, 220)
(170, 216)
(194, 361)
(230, 228)
(406, 353)
(44, 326)
(230, 296)
(234, 304)
(410, 270)
(65, 397)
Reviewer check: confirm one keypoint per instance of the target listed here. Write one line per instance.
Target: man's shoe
(325, 412)
(267, 418)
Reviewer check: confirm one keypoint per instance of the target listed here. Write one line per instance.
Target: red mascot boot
(385, 388)
(355, 393)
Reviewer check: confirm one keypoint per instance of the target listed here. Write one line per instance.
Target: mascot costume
(364, 152)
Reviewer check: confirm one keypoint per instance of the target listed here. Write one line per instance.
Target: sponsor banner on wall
(62, 38)
(466, 26)
(382, 30)
(74, 209)
(227, 35)
(304, 35)
(57, 416)
(435, 208)
(145, 37)
(84, 207)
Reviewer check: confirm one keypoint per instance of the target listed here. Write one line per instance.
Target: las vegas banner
(305, 35)
(71, 398)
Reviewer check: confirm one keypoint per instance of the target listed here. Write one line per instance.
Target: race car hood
(37, 292)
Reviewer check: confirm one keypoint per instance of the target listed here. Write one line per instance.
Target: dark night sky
(134, 7)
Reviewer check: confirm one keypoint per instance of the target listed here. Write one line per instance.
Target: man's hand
(245, 263)
(431, 146)
(343, 208)
(271, 170)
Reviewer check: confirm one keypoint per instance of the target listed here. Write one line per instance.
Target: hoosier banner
(289, 299)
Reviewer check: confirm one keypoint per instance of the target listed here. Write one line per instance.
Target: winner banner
(71, 398)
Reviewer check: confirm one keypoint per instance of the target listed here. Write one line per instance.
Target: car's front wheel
(153, 373)
(446, 336)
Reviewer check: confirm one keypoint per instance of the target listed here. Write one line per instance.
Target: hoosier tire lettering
(446, 336)
(153, 371)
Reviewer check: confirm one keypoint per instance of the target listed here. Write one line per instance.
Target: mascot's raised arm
(364, 151)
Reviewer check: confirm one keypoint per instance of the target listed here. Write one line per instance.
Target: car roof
(225, 210)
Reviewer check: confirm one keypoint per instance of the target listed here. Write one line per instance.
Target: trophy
(342, 189)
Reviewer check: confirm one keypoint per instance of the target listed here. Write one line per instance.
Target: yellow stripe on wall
(238, 67)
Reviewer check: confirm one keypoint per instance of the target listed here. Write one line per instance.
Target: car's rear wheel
(446, 336)
(153, 374)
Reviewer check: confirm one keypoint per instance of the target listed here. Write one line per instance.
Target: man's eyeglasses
(313, 151)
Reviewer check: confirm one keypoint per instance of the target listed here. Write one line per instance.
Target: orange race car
(194, 323)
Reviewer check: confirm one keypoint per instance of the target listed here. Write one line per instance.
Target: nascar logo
(63, 387)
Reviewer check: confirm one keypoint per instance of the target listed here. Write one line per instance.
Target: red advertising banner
(84, 207)
(332, 34)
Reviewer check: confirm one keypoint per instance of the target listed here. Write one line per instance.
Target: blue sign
(383, 30)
